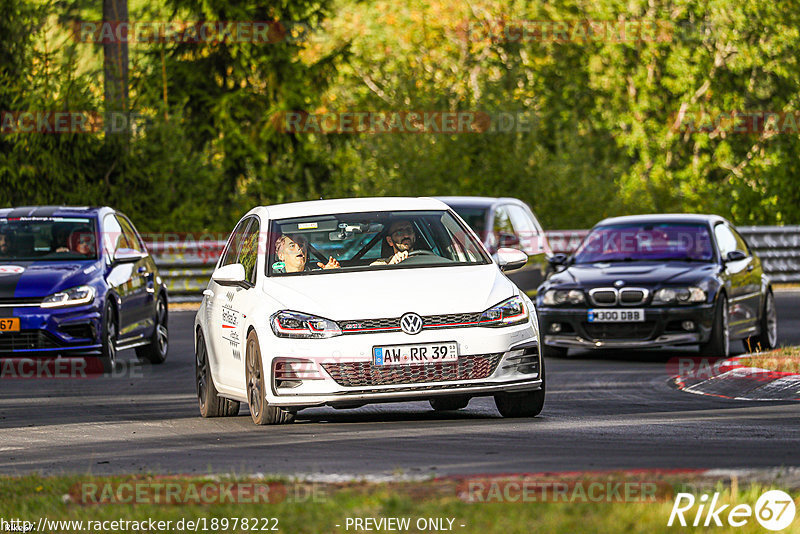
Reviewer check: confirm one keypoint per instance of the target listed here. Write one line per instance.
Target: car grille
(604, 297)
(357, 374)
(631, 296)
(451, 320)
(27, 340)
(601, 331)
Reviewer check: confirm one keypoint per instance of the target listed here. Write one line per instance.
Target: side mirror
(557, 260)
(510, 259)
(128, 255)
(735, 255)
(231, 275)
(505, 239)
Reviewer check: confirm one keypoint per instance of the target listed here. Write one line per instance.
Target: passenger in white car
(292, 253)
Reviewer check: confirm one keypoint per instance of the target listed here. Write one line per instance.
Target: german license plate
(616, 316)
(415, 354)
(9, 324)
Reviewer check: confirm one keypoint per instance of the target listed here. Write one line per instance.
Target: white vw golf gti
(356, 301)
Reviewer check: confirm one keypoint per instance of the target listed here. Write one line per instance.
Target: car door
(225, 311)
(531, 243)
(751, 299)
(120, 276)
(142, 301)
(736, 274)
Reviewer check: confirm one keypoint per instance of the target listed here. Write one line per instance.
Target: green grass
(784, 359)
(32, 497)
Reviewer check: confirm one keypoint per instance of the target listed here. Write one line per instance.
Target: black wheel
(156, 351)
(551, 351)
(525, 404)
(445, 404)
(110, 333)
(261, 413)
(767, 338)
(211, 404)
(719, 344)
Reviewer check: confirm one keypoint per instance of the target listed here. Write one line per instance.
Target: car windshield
(361, 241)
(47, 239)
(646, 242)
(474, 217)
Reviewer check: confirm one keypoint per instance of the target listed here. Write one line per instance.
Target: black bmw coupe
(658, 280)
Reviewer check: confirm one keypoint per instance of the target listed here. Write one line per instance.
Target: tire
(767, 338)
(156, 351)
(550, 351)
(525, 404)
(446, 404)
(719, 344)
(209, 401)
(261, 413)
(109, 342)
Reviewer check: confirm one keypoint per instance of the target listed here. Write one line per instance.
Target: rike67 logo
(774, 510)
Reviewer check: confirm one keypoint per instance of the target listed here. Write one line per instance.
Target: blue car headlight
(69, 297)
(507, 313)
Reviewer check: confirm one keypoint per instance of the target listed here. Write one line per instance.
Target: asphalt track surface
(609, 410)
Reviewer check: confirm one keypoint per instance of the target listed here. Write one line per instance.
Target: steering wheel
(420, 253)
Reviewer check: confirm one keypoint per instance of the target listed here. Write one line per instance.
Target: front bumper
(662, 327)
(53, 331)
(508, 357)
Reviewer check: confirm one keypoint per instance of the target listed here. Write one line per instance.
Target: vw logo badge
(619, 283)
(411, 323)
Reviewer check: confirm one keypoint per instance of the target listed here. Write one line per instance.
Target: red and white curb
(730, 379)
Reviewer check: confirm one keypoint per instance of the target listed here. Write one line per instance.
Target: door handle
(208, 293)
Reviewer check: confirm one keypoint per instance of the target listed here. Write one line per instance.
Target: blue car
(78, 281)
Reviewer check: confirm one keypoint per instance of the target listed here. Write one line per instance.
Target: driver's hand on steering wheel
(62, 249)
(333, 263)
(398, 257)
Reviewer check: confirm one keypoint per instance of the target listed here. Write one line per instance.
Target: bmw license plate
(616, 316)
(415, 354)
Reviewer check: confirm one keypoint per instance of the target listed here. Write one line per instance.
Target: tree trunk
(115, 66)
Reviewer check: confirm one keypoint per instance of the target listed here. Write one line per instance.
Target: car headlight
(302, 325)
(555, 297)
(508, 312)
(69, 297)
(679, 295)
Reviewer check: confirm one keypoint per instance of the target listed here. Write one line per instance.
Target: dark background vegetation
(205, 147)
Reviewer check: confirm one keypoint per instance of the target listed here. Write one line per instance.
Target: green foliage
(601, 140)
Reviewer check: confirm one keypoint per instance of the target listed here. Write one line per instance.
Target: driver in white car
(401, 237)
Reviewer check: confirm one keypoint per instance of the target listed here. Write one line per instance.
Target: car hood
(391, 293)
(643, 273)
(39, 279)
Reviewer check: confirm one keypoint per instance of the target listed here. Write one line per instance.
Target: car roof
(478, 202)
(52, 211)
(348, 205)
(662, 217)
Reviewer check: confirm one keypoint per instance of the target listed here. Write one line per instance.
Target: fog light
(555, 328)
(290, 372)
(688, 325)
